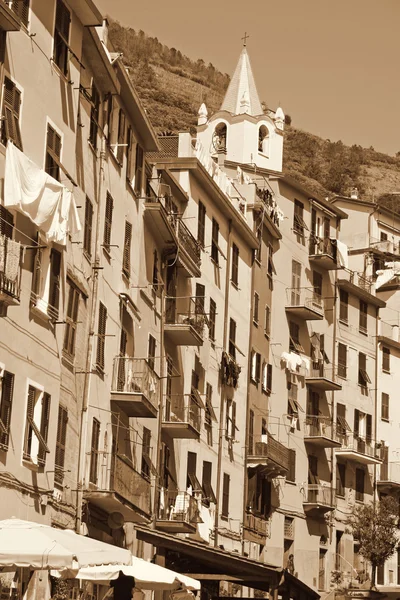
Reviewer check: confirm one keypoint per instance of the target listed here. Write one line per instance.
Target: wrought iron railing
(297, 297)
(322, 246)
(317, 426)
(323, 495)
(260, 525)
(177, 506)
(363, 445)
(192, 314)
(363, 282)
(320, 369)
(265, 446)
(188, 242)
(10, 267)
(134, 375)
(182, 409)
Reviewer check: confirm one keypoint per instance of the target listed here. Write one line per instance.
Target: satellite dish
(115, 520)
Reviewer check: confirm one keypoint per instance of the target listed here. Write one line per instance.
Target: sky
(333, 65)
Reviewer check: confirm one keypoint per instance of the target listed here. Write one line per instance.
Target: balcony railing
(323, 246)
(265, 449)
(323, 376)
(386, 246)
(352, 443)
(135, 376)
(192, 314)
(390, 472)
(177, 507)
(269, 204)
(321, 495)
(10, 269)
(361, 281)
(182, 409)
(257, 524)
(320, 427)
(389, 330)
(304, 302)
(188, 242)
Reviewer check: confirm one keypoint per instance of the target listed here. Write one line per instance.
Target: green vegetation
(172, 87)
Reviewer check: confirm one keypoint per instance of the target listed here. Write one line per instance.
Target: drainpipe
(160, 407)
(376, 397)
(334, 312)
(223, 393)
(86, 384)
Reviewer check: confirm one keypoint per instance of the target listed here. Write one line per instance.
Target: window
(385, 407)
(146, 453)
(267, 378)
(11, 109)
(296, 284)
(340, 479)
(94, 451)
(255, 366)
(71, 320)
(317, 287)
(54, 283)
(200, 299)
(267, 321)
(208, 492)
(363, 377)
(53, 153)
(225, 495)
(312, 470)
(293, 405)
(209, 414)
(342, 427)
(258, 223)
(383, 236)
(101, 337)
(212, 319)
(108, 222)
(271, 267)
(298, 221)
(6, 222)
(60, 445)
(130, 155)
(230, 423)
(363, 319)
(362, 428)
(61, 37)
(94, 116)
(214, 242)
(235, 265)
(288, 528)
(255, 308)
(119, 149)
(201, 224)
(232, 338)
(386, 359)
(250, 441)
(342, 360)
(344, 306)
(126, 258)
(37, 426)
(45, 296)
(87, 231)
(138, 169)
(191, 477)
(21, 9)
(291, 475)
(294, 338)
(151, 354)
(7, 390)
(360, 479)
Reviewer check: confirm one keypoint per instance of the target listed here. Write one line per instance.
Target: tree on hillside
(375, 527)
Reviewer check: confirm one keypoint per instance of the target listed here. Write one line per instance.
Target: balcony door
(296, 282)
(313, 412)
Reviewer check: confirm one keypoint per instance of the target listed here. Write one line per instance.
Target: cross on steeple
(244, 38)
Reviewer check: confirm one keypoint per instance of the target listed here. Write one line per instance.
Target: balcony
(321, 432)
(119, 488)
(256, 528)
(268, 455)
(320, 499)
(161, 222)
(304, 303)
(178, 512)
(323, 253)
(182, 417)
(189, 251)
(359, 285)
(389, 477)
(359, 449)
(184, 326)
(134, 387)
(384, 246)
(10, 271)
(323, 378)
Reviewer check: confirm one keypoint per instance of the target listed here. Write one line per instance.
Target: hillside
(172, 87)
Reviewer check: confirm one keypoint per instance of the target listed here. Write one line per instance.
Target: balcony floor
(323, 383)
(307, 313)
(322, 441)
(173, 526)
(134, 404)
(325, 261)
(357, 456)
(182, 334)
(159, 225)
(180, 430)
(267, 466)
(388, 485)
(314, 509)
(110, 501)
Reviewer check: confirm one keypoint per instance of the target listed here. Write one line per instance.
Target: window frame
(343, 306)
(7, 381)
(101, 340)
(61, 444)
(95, 103)
(256, 307)
(88, 228)
(126, 254)
(11, 112)
(214, 241)
(71, 319)
(386, 359)
(212, 320)
(94, 451)
(36, 395)
(61, 40)
(201, 224)
(235, 265)
(363, 317)
(342, 366)
(299, 225)
(385, 404)
(53, 152)
(225, 496)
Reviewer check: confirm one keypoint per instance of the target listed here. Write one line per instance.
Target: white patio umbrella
(29, 544)
(148, 576)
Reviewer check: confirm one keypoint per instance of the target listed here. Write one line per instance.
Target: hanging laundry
(342, 254)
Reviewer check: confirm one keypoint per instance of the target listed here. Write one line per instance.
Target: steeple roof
(241, 95)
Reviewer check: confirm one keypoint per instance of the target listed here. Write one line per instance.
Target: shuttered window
(291, 475)
(7, 390)
(138, 169)
(232, 338)
(214, 242)
(94, 116)
(212, 319)
(386, 359)
(146, 450)
(208, 492)
(256, 308)
(60, 445)
(11, 113)
(344, 306)
(44, 428)
(21, 9)
(121, 136)
(363, 377)
(360, 479)
(87, 232)
(54, 287)
(40, 431)
(94, 451)
(385, 407)
(108, 222)
(340, 479)
(268, 388)
(71, 320)
(151, 352)
(53, 153)
(363, 317)
(342, 360)
(267, 322)
(126, 259)
(250, 446)
(101, 340)
(299, 224)
(235, 265)
(225, 495)
(61, 37)
(6, 222)
(294, 338)
(201, 224)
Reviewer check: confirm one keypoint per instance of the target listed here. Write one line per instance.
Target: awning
(209, 562)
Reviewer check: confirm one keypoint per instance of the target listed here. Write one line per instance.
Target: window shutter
(108, 221)
(54, 291)
(6, 222)
(101, 330)
(258, 366)
(139, 169)
(291, 476)
(368, 435)
(87, 234)
(21, 8)
(44, 427)
(356, 422)
(225, 495)
(7, 389)
(11, 109)
(63, 20)
(94, 453)
(121, 136)
(233, 420)
(126, 260)
(61, 444)
(269, 379)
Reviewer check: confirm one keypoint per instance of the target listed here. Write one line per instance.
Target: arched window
(263, 140)
(219, 137)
